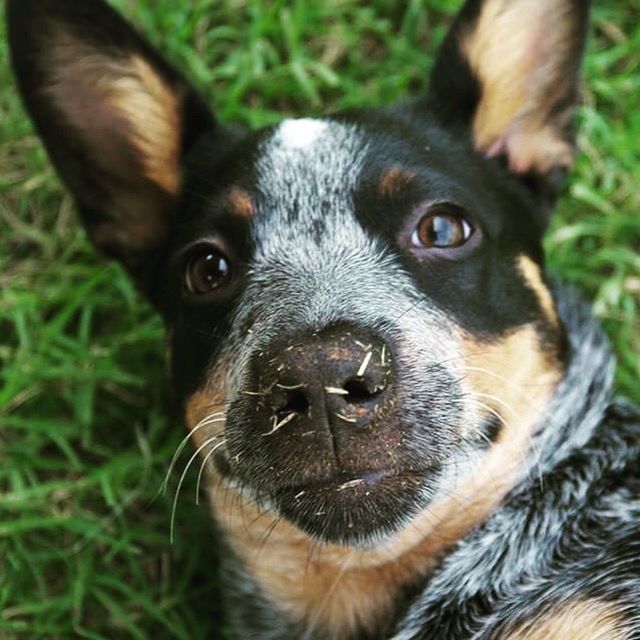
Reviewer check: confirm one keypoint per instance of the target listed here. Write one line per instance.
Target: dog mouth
(350, 509)
(340, 482)
(355, 510)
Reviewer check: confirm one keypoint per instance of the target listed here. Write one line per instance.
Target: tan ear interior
(521, 51)
(125, 109)
(151, 108)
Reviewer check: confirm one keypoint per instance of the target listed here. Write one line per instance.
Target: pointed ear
(509, 72)
(116, 119)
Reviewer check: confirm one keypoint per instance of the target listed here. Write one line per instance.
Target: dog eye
(443, 227)
(206, 271)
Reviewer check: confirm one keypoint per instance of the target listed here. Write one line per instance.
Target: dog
(406, 430)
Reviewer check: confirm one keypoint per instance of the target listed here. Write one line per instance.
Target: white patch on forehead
(307, 171)
(300, 133)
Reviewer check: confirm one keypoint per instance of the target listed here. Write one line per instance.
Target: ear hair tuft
(115, 102)
(508, 72)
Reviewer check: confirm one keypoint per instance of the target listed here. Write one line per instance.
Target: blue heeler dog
(406, 431)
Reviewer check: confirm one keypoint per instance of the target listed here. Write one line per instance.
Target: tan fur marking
(393, 180)
(207, 404)
(151, 107)
(518, 51)
(582, 620)
(338, 589)
(241, 203)
(321, 586)
(120, 98)
(533, 276)
(512, 377)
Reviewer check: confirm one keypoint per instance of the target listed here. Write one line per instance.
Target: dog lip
(349, 509)
(344, 482)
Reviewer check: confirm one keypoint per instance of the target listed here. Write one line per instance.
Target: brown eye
(206, 271)
(443, 227)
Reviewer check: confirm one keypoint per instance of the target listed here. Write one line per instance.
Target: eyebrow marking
(394, 179)
(241, 202)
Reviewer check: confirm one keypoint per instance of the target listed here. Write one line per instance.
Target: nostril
(360, 390)
(294, 401)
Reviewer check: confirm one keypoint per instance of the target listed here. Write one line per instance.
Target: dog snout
(335, 379)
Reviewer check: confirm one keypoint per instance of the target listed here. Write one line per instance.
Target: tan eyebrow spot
(241, 203)
(394, 180)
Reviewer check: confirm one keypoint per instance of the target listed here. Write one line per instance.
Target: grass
(85, 438)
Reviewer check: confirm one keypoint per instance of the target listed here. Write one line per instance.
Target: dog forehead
(305, 161)
(307, 172)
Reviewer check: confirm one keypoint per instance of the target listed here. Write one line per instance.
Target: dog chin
(359, 512)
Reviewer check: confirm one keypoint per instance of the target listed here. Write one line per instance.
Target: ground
(85, 439)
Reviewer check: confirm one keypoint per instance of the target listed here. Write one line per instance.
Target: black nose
(337, 378)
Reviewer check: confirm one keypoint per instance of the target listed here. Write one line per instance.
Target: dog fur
(405, 430)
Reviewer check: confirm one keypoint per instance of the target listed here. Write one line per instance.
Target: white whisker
(181, 481)
(205, 422)
(203, 465)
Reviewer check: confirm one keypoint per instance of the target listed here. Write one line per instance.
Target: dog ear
(116, 119)
(508, 71)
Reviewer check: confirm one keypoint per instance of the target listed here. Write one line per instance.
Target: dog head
(359, 296)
